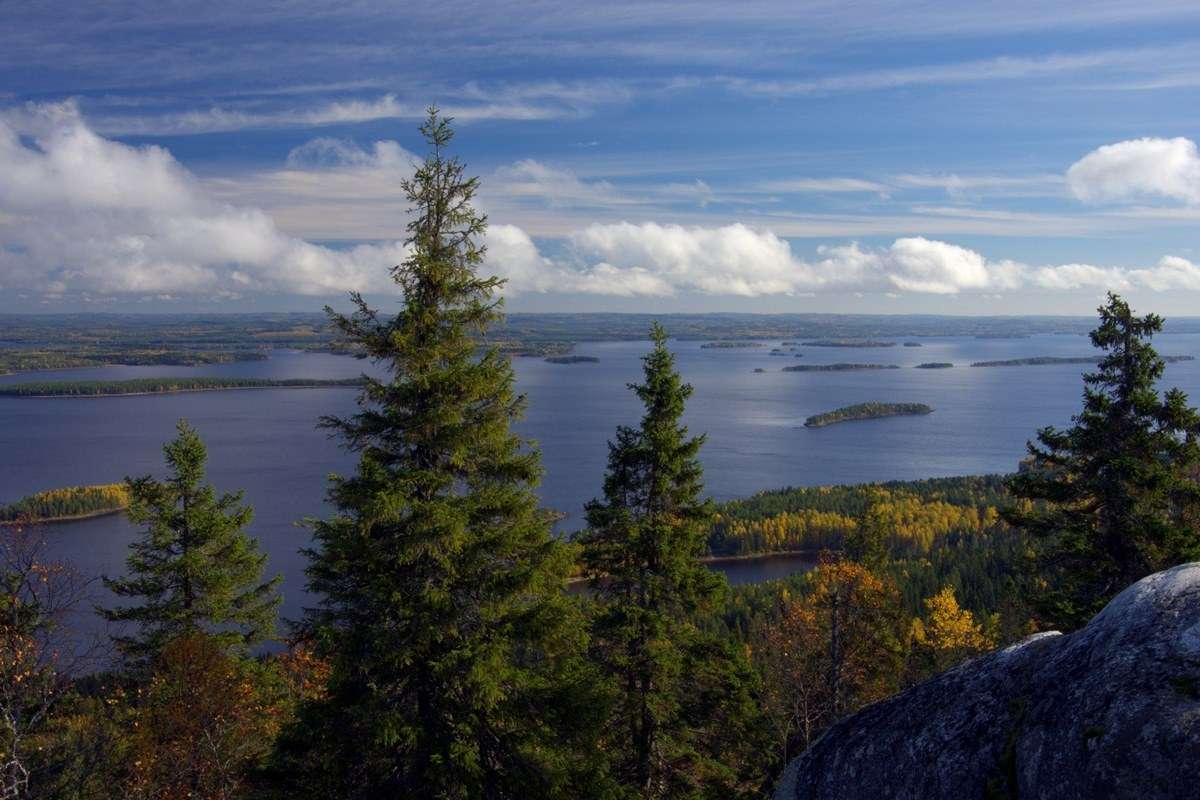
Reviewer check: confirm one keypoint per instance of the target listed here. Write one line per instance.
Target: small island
(730, 345)
(866, 411)
(837, 367)
(168, 385)
(1037, 361)
(572, 360)
(759, 369)
(935, 365)
(848, 343)
(913, 344)
(62, 505)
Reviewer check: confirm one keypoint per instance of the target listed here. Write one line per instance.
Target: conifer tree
(1115, 496)
(642, 548)
(442, 609)
(194, 570)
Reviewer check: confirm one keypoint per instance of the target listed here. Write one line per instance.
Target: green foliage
(67, 503)
(456, 655)
(913, 514)
(866, 411)
(642, 550)
(1117, 491)
(194, 569)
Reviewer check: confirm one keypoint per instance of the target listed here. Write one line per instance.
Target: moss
(1004, 786)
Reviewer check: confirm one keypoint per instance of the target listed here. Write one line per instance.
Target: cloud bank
(87, 216)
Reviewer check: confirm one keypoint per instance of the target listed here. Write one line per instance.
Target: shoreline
(11, 523)
(809, 555)
(100, 395)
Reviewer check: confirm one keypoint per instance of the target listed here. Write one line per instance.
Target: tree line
(443, 657)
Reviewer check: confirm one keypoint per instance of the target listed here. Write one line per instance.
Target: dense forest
(860, 411)
(161, 386)
(442, 655)
(1037, 361)
(67, 503)
(840, 367)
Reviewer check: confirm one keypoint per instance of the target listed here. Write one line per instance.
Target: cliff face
(1110, 711)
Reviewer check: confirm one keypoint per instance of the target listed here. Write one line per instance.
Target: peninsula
(167, 385)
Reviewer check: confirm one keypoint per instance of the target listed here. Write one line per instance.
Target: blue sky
(757, 156)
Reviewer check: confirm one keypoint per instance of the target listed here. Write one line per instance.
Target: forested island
(935, 365)
(848, 343)
(1043, 360)
(733, 345)
(840, 367)
(913, 344)
(73, 502)
(167, 385)
(572, 360)
(866, 411)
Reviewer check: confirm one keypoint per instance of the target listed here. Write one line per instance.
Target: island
(866, 411)
(571, 360)
(759, 369)
(913, 344)
(935, 365)
(836, 367)
(62, 505)
(848, 343)
(167, 385)
(1043, 360)
(730, 345)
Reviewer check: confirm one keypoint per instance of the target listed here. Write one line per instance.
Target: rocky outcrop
(1110, 711)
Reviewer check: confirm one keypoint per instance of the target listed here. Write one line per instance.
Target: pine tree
(194, 569)
(1115, 497)
(443, 609)
(642, 550)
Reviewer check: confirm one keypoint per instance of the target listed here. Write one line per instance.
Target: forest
(72, 502)
(442, 655)
(161, 386)
(860, 411)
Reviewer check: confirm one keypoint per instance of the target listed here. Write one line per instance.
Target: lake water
(265, 441)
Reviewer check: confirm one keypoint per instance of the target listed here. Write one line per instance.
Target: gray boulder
(1110, 711)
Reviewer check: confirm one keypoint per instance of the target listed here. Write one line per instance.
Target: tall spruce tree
(194, 569)
(1115, 497)
(442, 607)
(681, 707)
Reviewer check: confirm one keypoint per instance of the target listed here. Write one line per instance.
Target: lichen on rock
(1112, 710)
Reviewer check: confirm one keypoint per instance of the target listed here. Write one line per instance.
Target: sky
(877, 157)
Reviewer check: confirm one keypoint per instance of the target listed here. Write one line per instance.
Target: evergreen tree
(642, 550)
(443, 609)
(194, 569)
(1115, 497)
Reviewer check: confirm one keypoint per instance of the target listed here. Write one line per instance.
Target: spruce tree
(194, 570)
(1115, 497)
(679, 694)
(442, 604)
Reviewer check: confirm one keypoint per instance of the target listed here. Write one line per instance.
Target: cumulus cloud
(86, 214)
(1138, 168)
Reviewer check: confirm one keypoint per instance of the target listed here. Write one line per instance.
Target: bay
(266, 442)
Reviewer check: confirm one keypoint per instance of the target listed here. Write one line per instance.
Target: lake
(266, 441)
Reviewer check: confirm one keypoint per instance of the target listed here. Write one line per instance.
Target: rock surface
(1110, 711)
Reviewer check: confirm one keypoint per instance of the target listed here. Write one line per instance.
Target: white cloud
(86, 214)
(1138, 168)
(823, 185)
